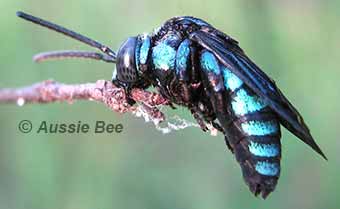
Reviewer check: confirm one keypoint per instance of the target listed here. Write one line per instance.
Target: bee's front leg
(127, 89)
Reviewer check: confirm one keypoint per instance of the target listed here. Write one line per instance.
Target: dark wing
(232, 56)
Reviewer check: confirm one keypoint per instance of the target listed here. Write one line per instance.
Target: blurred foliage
(296, 42)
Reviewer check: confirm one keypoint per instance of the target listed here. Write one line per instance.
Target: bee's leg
(172, 105)
(129, 99)
(164, 91)
(217, 126)
(127, 90)
(185, 92)
(197, 115)
(208, 114)
(228, 144)
(179, 91)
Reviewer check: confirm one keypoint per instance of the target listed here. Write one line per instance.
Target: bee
(195, 65)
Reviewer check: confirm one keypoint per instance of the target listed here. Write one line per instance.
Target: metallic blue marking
(171, 39)
(266, 168)
(243, 103)
(264, 150)
(209, 63)
(260, 128)
(163, 56)
(231, 81)
(182, 56)
(144, 49)
(137, 51)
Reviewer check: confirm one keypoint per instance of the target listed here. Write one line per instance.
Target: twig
(101, 91)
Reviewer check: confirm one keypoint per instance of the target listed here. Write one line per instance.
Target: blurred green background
(295, 42)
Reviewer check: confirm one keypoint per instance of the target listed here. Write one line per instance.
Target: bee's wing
(231, 55)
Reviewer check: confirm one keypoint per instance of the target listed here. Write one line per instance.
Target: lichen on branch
(102, 91)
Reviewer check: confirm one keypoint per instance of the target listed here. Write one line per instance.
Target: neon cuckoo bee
(195, 65)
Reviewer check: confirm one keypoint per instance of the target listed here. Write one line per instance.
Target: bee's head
(126, 64)
(131, 61)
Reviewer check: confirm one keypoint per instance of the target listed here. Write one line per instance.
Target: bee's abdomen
(253, 135)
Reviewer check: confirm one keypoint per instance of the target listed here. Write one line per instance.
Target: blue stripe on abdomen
(260, 128)
(231, 81)
(264, 150)
(212, 71)
(256, 124)
(267, 168)
(243, 103)
(209, 63)
(182, 56)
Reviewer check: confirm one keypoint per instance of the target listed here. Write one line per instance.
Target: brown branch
(101, 91)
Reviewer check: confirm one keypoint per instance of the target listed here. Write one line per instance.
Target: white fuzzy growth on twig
(148, 103)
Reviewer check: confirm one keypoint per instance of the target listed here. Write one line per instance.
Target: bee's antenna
(67, 32)
(72, 54)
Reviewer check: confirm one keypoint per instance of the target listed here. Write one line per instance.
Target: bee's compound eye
(126, 62)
